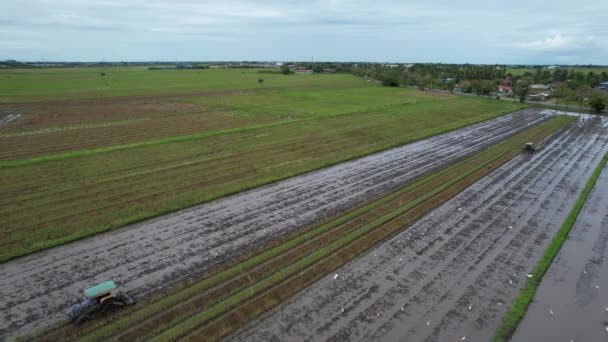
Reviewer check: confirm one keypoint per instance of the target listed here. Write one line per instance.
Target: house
(538, 92)
(535, 89)
(505, 89)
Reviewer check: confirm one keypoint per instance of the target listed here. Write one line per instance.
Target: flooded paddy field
(453, 274)
(571, 303)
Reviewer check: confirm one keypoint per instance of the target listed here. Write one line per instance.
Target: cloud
(555, 42)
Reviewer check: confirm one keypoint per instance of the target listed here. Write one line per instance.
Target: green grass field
(23, 85)
(73, 168)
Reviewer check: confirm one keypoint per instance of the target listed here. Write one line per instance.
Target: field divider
(521, 303)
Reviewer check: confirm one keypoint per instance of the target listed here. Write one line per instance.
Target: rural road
(453, 273)
(146, 257)
(575, 288)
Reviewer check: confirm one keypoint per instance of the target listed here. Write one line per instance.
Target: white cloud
(554, 42)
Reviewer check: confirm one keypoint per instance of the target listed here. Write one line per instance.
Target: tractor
(99, 301)
(529, 148)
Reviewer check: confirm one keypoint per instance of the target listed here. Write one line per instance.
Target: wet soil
(571, 303)
(147, 257)
(8, 119)
(449, 275)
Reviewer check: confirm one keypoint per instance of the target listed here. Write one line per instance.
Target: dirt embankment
(149, 256)
(571, 303)
(452, 274)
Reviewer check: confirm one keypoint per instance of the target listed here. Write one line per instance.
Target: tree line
(568, 85)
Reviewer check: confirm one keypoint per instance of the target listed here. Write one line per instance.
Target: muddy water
(146, 257)
(571, 303)
(449, 275)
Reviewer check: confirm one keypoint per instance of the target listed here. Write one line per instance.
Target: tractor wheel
(110, 305)
(127, 299)
(82, 319)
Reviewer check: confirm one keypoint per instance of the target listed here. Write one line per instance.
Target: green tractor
(99, 301)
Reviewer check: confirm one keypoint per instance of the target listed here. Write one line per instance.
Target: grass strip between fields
(520, 305)
(190, 323)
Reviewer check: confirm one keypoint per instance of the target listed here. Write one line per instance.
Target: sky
(432, 31)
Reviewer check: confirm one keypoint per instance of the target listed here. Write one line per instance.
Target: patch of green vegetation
(520, 304)
(25, 85)
(300, 103)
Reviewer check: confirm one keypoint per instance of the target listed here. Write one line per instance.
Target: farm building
(538, 92)
(535, 89)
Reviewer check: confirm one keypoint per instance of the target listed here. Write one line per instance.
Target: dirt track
(143, 258)
(475, 251)
(575, 287)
